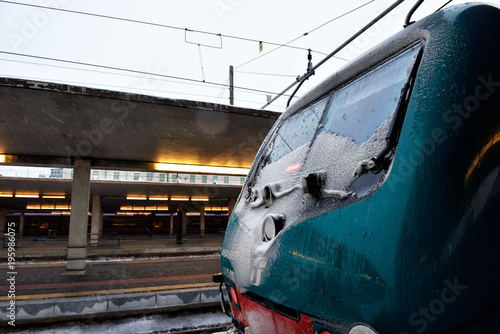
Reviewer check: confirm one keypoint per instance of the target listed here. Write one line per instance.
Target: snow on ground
(152, 324)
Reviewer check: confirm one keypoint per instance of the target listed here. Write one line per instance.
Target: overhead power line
(155, 24)
(269, 74)
(306, 34)
(130, 71)
(310, 71)
(286, 45)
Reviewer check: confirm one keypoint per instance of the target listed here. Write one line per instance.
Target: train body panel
(337, 226)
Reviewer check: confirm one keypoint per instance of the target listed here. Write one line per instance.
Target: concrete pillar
(96, 220)
(171, 222)
(202, 221)
(21, 223)
(184, 222)
(77, 240)
(3, 219)
(101, 222)
(181, 215)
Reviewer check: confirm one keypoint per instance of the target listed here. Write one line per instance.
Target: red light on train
(234, 296)
(293, 167)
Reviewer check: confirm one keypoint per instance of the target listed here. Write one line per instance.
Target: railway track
(206, 330)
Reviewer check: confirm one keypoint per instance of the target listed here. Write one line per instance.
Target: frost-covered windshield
(345, 128)
(296, 131)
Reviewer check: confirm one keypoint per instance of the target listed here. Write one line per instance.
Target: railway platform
(136, 274)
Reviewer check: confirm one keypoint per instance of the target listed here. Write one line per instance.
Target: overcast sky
(173, 53)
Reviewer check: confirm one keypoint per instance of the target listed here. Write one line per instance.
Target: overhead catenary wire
(129, 88)
(97, 71)
(268, 74)
(130, 71)
(279, 45)
(221, 94)
(446, 4)
(160, 25)
(135, 90)
(306, 34)
(312, 70)
(287, 45)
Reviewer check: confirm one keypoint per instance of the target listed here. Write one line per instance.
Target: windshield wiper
(268, 193)
(379, 161)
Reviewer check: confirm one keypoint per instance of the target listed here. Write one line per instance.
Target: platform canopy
(50, 124)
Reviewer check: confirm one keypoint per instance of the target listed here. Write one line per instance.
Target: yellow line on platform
(90, 263)
(107, 292)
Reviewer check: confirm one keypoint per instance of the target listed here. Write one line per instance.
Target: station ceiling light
(61, 212)
(48, 206)
(199, 199)
(179, 198)
(6, 158)
(200, 169)
(54, 196)
(158, 198)
(27, 196)
(216, 208)
(139, 208)
(137, 197)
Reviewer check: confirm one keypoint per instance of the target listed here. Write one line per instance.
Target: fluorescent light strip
(6, 158)
(158, 198)
(128, 208)
(54, 196)
(179, 198)
(45, 206)
(201, 169)
(137, 197)
(216, 208)
(27, 195)
(61, 212)
(200, 199)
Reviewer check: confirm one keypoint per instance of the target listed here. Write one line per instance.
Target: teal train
(373, 205)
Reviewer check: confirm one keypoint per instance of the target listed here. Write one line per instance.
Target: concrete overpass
(54, 125)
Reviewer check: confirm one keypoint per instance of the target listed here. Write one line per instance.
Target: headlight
(361, 329)
(272, 225)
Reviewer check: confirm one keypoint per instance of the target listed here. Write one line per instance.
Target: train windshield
(346, 128)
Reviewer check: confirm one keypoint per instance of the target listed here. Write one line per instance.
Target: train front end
(373, 204)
